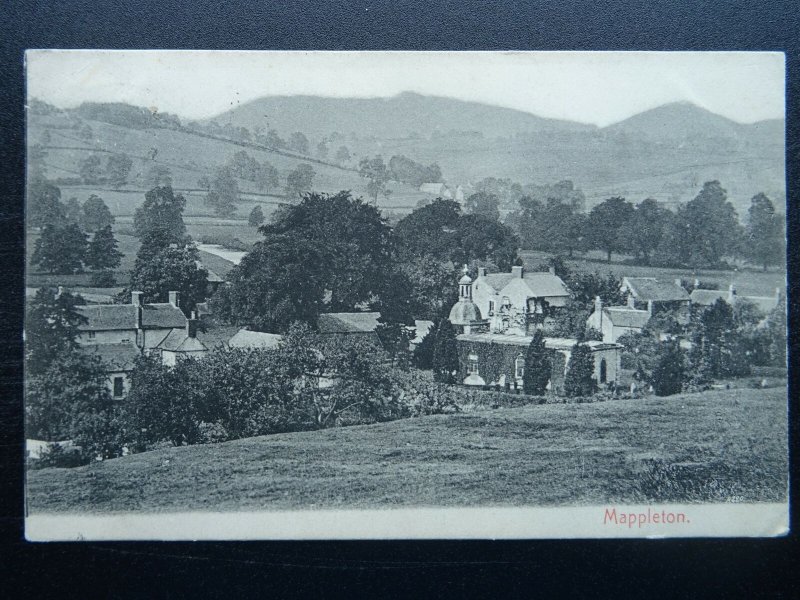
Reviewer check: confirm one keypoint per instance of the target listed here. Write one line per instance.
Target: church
(495, 318)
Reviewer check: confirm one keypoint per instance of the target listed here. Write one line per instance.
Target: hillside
(718, 446)
(666, 153)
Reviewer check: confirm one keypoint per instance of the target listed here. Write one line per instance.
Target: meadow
(716, 446)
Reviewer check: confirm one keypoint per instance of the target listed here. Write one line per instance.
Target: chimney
(60, 291)
(137, 308)
(516, 271)
(175, 299)
(650, 307)
(678, 282)
(598, 304)
(481, 271)
(136, 298)
(696, 283)
(552, 270)
(191, 325)
(731, 292)
(631, 301)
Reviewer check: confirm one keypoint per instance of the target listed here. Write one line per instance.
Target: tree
(429, 230)
(51, 327)
(765, 233)
(717, 345)
(395, 338)
(256, 216)
(159, 220)
(445, 353)
(353, 238)
(158, 271)
(641, 234)
(274, 140)
(298, 142)
(96, 214)
(537, 366)
(299, 180)
(605, 222)
(342, 154)
(323, 149)
(44, 205)
(102, 253)
(73, 211)
(90, 169)
(266, 177)
(482, 238)
(669, 371)
(579, 380)
(60, 250)
(485, 204)
(274, 285)
(423, 353)
(118, 168)
(374, 170)
(224, 192)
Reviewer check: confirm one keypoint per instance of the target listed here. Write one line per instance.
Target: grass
(717, 446)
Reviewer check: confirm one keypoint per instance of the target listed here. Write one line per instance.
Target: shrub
(57, 456)
(669, 370)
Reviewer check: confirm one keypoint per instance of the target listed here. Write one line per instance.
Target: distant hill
(387, 118)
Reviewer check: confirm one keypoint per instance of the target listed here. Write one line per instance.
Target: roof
(178, 341)
(119, 357)
(540, 283)
(650, 288)
(354, 322)
(765, 304)
(105, 317)
(245, 338)
(627, 317)
(708, 297)
(464, 312)
(421, 329)
(525, 340)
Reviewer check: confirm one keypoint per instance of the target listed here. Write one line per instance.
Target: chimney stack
(598, 304)
(678, 282)
(552, 270)
(731, 292)
(481, 271)
(175, 299)
(516, 271)
(650, 307)
(191, 325)
(631, 301)
(60, 291)
(136, 298)
(696, 283)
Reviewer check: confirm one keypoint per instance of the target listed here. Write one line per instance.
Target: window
(472, 366)
(603, 369)
(119, 387)
(519, 366)
(91, 335)
(491, 307)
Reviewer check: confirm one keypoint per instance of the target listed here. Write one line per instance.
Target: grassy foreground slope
(717, 446)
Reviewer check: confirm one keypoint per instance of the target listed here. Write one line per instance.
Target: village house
(615, 321)
(353, 325)
(656, 295)
(119, 333)
(765, 304)
(491, 351)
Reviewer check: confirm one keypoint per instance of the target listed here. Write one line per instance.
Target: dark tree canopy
(256, 216)
(274, 285)
(223, 193)
(766, 241)
(377, 174)
(60, 249)
(73, 211)
(669, 371)
(159, 221)
(162, 270)
(445, 353)
(90, 169)
(102, 252)
(96, 214)
(579, 380)
(485, 204)
(605, 223)
(641, 235)
(300, 180)
(353, 237)
(44, 205)
(51, 327)
(118, 167)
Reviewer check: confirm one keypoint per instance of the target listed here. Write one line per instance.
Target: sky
(590, 87)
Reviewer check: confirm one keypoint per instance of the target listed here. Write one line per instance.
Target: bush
(102, 279)
(57, 456)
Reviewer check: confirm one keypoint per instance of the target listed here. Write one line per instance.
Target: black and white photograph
(405, 295)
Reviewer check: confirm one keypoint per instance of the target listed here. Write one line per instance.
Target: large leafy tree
(377, 175)
(482, 238)
(485, 204)
(96, 214)
(669, 370)
(256, 217)
(102, 252)
(118, 167)
(166, 269)
(766, 240)
(51, 327)
(605, 222)
(298, 142)
(223, 193)
(299, 180)
(445, 353)
(429, 230)
(44, 205)
(537, 366)
(716, 344)
(73, 211)
(159, 221)
(353, 238)
(641, 234)
(60, 249)
(90, 169)
(277, 283)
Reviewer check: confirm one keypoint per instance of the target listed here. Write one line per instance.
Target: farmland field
(717, 446)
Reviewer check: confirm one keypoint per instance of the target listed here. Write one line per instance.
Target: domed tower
(465, 313)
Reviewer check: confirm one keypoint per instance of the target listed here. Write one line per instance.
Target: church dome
(465, 280)
(465, 312)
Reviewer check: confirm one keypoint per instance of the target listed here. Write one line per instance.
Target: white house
(615, 321)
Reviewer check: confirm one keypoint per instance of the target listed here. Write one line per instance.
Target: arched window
(603, 369)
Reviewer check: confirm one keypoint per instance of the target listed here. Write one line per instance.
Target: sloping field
(717, 446)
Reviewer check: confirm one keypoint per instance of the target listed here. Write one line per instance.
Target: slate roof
(178, 341)
(708, 297)
(650, 288)
(117, 356)
(765, 304)
(540, 283)
(627, 317)
(108, 317)
(365, 322)
(245, 338)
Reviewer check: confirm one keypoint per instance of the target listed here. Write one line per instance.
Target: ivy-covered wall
(497, 363)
